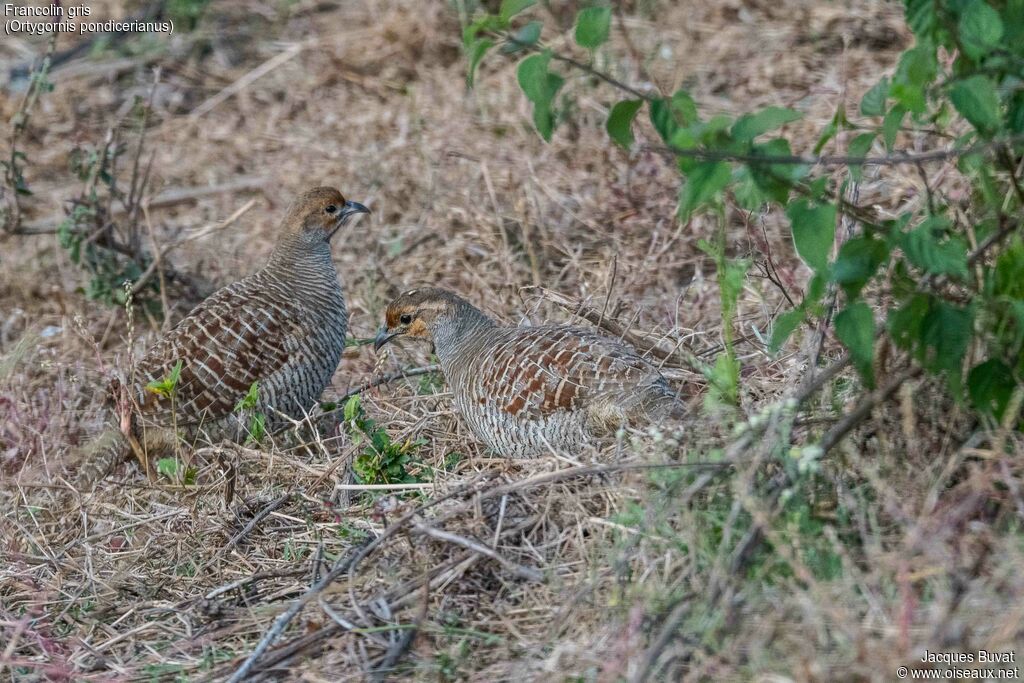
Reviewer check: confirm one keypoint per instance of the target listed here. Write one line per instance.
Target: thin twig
(404, 641)
(249, 78)
(840, 429)
(519, 570)
(257, 518)
(165, 250)
(386, 379)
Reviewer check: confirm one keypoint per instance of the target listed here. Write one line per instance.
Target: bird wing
(224, 345)
(536, 372)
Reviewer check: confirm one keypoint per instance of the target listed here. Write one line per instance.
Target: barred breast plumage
(282, 328)
(524, 391)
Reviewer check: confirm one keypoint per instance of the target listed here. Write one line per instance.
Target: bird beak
(348, 210)
(383, 338)
(352, 208)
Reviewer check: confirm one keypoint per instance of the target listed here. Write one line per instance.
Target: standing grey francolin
(282, 327)
(525, 391)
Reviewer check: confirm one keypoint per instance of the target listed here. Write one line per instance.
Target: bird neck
(459, 332)
(299, 260)
(293, 251)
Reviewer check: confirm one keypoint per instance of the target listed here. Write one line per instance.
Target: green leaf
(248, 402)
(749, 126)
(592, 26)
(168, 467)
(167, 385)
(946, 332)
(904, 323)
(620, 121)
(981, 29)
(1008, 278)
(775, 180)
(857, 262)
(814, 231)
(669, 114)
(476, 53)
(526, 36)
(746, 191)
(859, 147)
(663, 120)
(784, 326)
(257, 428)
(935, 331)
(977, 101)
(352, 408)
(921, 17)
(540, 87)
(873, 102)
(926, 248)
(891, 126)
(702, 184)
(916, 71)
(532, 75)
(838, 122)
(826, 136)
(990, 386)
(510, 8)
(855, 327)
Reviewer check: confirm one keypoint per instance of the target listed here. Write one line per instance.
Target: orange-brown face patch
(392, 315)
(418, 329)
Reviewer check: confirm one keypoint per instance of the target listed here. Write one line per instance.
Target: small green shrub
(382, 461)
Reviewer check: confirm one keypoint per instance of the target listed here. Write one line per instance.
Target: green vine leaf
(857, 262)
(593, 25)
(873, 102)
(980, 28)
(702, 184)
(917, 69)
(477, 51)
(749, 126)
(525, 37)
(814, 232)
(977, 101)
(784, 327)
(855, 327)
(990, 386)
(620, 121)
(668, 115)
(927, 249)
(540, 87)
(510, 8)
(859, 147)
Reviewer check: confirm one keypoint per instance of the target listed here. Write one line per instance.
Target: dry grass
(909, 540)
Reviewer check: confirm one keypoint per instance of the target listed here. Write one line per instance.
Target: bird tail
(96, 459)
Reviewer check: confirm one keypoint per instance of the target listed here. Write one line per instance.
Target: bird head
(317, 214)
(416, 313)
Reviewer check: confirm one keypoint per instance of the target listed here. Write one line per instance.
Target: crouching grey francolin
(283, 328)
(524, 391)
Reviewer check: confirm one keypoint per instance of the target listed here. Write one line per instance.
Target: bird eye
(405, 318)
(331, 209)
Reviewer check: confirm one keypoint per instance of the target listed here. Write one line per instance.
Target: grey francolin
(525, 391)
(282, 327)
